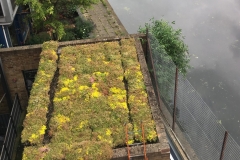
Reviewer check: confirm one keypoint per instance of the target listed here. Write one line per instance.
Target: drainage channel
(53, 86)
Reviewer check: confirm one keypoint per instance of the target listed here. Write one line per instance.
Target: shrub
(83, 28)
(80, 30)
(38, 38)
(69, 36)
(68, 11)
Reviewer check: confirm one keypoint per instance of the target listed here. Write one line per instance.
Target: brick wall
(152, 156)
(15, 60)
(154, 152)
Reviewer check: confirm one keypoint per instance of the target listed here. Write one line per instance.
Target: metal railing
(189, 116)
(11, 133)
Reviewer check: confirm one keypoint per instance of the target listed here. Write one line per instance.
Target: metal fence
(11, 133)
(190, 117)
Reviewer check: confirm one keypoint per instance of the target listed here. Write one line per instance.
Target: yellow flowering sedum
(101, 74)
(91, 101)
(89, 59)
(105, 62)
(35, 120)
(130, 142)
(116, 90)
(64, 89)
(67, 82)
(82, 124)
(61, 119)
(108, 132)
(151, 135)
(82, 88)
(42, 130)
(94, 86)
(95, 94)
(137, 97)
(116, 104)
(75, 78)
(33, 138)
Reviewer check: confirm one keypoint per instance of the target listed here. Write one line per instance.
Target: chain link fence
(196, 125)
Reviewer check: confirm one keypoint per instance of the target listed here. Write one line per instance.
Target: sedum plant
(34, 125)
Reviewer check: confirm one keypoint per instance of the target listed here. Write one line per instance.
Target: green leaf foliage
(171, 41)
(83, 28)
(38, 38)
(47, 14)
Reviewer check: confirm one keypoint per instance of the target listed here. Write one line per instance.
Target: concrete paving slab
(105, 20)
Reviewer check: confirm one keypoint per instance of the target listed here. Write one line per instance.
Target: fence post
(175, 99)
(224, 145)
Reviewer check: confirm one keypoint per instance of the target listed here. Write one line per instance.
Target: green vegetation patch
(35, 121)
(100, 91)
(137, 97)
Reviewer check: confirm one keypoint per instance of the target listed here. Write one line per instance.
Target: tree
(47, 14)
(171, 41)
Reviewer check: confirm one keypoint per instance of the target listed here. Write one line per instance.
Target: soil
(53, 86)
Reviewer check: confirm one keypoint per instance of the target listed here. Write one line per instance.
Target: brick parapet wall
(154, 152)
(15, 60)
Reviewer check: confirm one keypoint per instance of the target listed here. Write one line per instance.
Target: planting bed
(100, 90)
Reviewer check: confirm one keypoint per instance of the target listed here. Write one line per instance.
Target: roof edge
(75, 42)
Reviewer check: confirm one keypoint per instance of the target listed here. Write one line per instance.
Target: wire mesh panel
(195, 121)
(199, 124)
(232, 150)
(165, 72)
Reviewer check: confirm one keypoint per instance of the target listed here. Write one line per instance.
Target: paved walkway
(105, 20)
